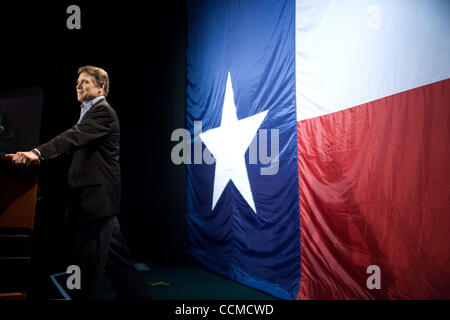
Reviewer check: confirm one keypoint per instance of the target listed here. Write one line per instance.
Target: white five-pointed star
(228, 144)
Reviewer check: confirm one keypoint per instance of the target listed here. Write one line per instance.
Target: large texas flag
(322, 135)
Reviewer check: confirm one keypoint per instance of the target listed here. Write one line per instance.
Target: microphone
(2, 129)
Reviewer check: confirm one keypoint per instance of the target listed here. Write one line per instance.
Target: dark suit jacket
(94, 173)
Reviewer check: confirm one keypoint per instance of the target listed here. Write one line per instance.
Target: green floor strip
(190, 283)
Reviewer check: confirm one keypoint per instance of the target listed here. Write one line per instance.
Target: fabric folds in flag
(373, 104)
(251, 45)
(358, 96)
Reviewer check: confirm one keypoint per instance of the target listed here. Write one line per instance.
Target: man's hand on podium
(23, 159)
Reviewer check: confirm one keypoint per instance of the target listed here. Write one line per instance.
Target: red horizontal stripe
(374, 185)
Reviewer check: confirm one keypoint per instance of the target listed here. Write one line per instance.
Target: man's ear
(102, 87)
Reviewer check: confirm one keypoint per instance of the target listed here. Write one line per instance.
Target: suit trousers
(98, 246)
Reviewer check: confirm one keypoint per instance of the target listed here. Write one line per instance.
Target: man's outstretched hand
(23, 159)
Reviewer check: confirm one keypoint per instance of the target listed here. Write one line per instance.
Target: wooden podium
(18, 191)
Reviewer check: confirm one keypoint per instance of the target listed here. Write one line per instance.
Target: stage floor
(188, 283)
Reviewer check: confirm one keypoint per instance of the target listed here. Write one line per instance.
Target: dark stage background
(143, 50)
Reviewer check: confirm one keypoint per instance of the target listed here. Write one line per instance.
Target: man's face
(86, 88)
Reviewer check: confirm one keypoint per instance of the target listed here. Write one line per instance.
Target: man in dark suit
(94, 190)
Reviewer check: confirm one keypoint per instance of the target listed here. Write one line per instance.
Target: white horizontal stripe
(353, 52)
